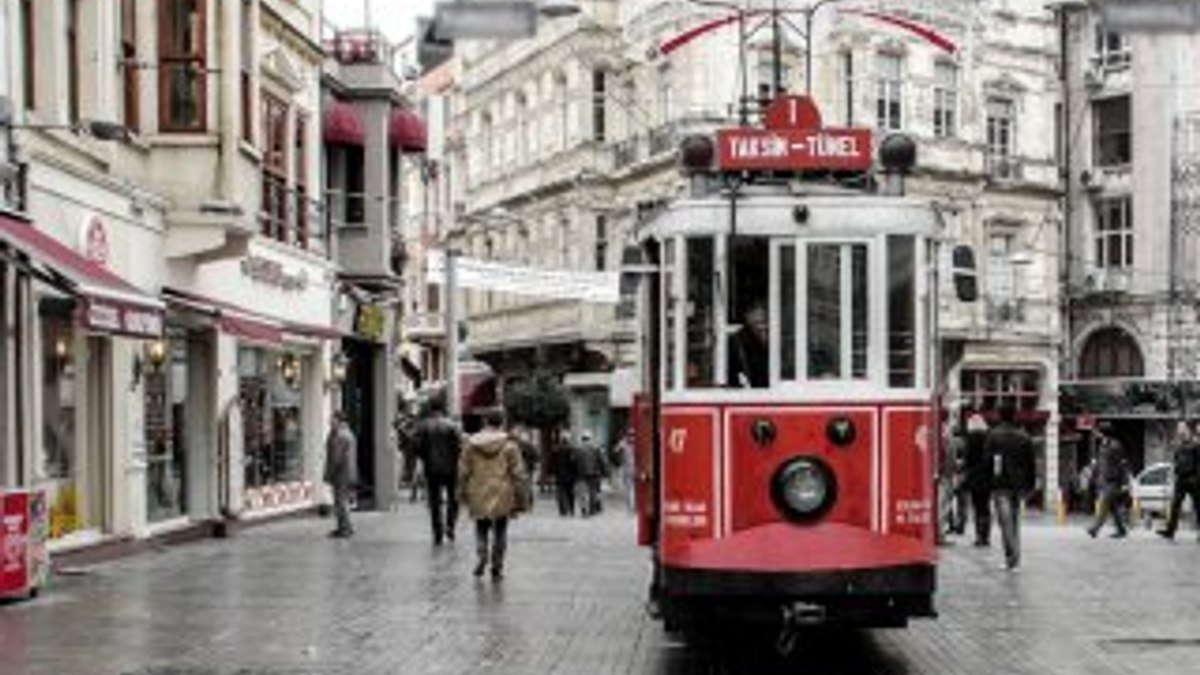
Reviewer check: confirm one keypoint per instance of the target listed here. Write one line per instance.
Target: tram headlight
(804, 488)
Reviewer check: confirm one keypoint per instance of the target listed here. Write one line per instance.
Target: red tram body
(808, 495)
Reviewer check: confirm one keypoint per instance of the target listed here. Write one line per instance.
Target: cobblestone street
(285, 600)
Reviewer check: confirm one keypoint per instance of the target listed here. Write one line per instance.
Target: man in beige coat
(491, 482)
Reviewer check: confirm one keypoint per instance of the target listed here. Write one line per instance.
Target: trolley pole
(452, 403)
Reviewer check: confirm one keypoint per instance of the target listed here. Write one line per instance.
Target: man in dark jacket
(977, 478)
(1010, 450)
(1112, 479)
(341, 471)
(439, 444)
(590, 460)
(1187, 478)
(566, 473)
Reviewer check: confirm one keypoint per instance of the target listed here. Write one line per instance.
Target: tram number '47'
(677, 440)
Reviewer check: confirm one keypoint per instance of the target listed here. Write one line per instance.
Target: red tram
(786, 431)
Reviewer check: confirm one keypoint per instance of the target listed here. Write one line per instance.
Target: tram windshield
(752, 312)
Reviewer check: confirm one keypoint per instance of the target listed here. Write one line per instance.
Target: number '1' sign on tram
(793, 139)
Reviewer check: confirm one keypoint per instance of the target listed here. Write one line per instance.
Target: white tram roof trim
(828, 216)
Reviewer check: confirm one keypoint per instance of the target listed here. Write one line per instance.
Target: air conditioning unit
(1093, 78)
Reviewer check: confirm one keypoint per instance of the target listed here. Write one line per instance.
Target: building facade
(537, 191)
(1133, 167)
(168, 296)
(371, 135)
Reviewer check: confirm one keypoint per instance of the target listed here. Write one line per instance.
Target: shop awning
(229, 318)
(407, 131)
(108, 303)
(247, 324)
(342, 125)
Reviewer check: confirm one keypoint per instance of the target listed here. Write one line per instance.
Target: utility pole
(452, 402)
(776, 50)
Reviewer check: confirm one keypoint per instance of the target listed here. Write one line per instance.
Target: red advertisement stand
(24, 561)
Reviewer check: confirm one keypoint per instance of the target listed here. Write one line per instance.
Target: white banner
(598, 287)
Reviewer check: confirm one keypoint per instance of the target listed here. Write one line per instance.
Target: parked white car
(1152, 490)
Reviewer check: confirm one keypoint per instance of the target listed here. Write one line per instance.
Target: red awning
(342, 125)
(247, 324)
(407, 131)
(315, 331)
(231, 319)
(108, 303)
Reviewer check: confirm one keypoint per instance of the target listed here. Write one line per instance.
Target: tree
(539, 402)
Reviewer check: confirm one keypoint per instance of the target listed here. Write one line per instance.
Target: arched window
(1111, 352)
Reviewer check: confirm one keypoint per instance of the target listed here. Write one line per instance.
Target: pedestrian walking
(439, 445)
(1186, 465)
(950, 477)
(529, 460)
(590, 460)
(624, 451)
(1112, 479)
(1010, 450)
(566, 474)
(341, 471)
(492, 482)
(977, 478)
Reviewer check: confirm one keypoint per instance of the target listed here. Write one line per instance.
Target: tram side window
(902, 310)
(670, 310)
(748, 346)
(701, 319)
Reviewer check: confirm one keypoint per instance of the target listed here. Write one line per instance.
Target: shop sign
(370, 323)
(270, 272)
(126, 320)
(93, 240)
(793, 139)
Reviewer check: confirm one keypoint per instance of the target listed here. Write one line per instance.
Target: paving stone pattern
(285, 600)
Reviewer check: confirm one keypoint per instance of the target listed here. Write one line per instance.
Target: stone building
(1134, 172)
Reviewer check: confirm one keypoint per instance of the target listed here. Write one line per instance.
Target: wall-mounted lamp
(290, 370)
(337, 370)
(151, 360)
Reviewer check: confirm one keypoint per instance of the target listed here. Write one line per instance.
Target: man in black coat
(1187, 478)
(439, 444)
(1112, 479)
(566, 473)
(1010, 450)
(977, 478)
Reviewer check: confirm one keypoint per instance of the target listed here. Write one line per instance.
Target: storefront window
(59, 399)
(165, 368)
(272, 416)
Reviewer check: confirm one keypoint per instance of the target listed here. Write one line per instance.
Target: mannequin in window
(749, 350)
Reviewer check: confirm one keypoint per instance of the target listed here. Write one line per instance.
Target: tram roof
(840, 213)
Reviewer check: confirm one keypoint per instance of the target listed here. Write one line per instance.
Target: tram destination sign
(794, 149)
(792, 138)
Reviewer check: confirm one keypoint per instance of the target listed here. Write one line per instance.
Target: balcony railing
(625, 153)
(361, 46)
(1003, 167)
(662, 139)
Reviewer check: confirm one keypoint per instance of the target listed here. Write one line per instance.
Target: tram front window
(748, 349)
(837, 311)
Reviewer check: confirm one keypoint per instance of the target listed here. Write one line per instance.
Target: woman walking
(491, 480)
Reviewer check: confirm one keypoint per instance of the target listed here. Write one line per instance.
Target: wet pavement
(285, 600)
